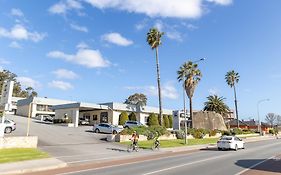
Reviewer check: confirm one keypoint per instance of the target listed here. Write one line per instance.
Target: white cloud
(16, 12)
(4, 61)
(79, 28)
(63, 6)
(159, 25)
(27, 81)
(168, 90)
(19, 32)
(82, 45)
(221, 2)
(175, 35)
(213, 91)
(65, 74)
(170, 31)
(60, 85)
(141, 25)
(15, 44)
(155, 8)
(86, 57)
(116, 38)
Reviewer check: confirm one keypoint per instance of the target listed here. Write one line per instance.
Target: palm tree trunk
(191, 112)
(235, 102)
(159, 86)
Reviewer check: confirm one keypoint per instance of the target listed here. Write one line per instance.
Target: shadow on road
(117, 149)
(209, 149)
(268, 165)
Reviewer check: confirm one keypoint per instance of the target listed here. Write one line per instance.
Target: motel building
(76, 111)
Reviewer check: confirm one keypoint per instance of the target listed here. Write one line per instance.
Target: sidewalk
(31, 166)
(52, 163)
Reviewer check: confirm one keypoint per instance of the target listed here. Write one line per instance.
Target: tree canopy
(138, 99)
(216, 103)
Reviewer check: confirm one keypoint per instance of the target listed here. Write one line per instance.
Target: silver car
(9, 125)
(106, 128)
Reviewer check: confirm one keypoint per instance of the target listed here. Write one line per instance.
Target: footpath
(53, 163)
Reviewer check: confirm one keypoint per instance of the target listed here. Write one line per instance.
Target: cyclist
(135, 138)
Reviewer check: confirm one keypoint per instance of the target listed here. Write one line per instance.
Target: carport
(74, 111)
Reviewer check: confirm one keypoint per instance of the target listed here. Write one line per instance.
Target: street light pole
(184, 108)
(259, 122)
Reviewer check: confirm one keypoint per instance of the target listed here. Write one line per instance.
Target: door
(103, 117)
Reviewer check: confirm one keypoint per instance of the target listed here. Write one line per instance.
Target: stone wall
(19, 142)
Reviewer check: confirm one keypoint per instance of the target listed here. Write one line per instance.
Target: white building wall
(23, 110)
(116, 117)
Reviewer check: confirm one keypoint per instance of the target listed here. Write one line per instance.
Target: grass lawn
(20, 154)
(175, 143)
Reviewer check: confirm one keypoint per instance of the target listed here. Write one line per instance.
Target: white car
(106, 128)
(9, 125)
(230, 142)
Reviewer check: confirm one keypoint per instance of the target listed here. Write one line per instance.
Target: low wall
(124, 138)
(168, 137)
(19, 142)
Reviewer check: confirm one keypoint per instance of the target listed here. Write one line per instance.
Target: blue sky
(96, 51)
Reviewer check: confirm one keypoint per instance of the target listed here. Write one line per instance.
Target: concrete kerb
(31, 166)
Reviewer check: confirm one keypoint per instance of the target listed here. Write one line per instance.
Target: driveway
(72, 145)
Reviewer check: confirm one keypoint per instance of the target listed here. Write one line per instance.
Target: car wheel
(8, 130)
(236, 148)
(219, 149)
(243, 146)
(126, 127)
(114, 132)
(97, 130)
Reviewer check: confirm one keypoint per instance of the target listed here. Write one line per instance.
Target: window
(104, 117)
(95, 117)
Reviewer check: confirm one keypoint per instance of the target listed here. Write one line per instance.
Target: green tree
(232, 78)
(190, 75)
(166, 121)
(170, 121)
(123, 117)
(138, 99)
(153, 120)
(132, 116)
(154, 40)
(216, 104)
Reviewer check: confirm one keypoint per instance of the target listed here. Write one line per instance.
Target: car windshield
(226, 138)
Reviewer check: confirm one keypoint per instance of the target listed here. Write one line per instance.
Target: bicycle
(133, 147)
(156, 145)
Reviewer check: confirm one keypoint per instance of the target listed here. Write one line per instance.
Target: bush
(123, 117)
(132, 116)
(58, 120)
(226, 133)
(212, 133)
(153, 120)
(166, 121)
(236, 131)
(271, 131)
(170, 121)
(198, 135)
(179, 134)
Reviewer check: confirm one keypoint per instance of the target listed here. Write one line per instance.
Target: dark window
(95, 117)
(104, 117)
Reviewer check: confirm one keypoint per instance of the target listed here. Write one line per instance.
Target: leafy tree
(232, 78)
(170, 121)
(166, 121)
(270, 118)
(137, 99)
(153, 120)
(278, 120)
(190, 75)
(123, 117)
(154, 40)
(216, 104)
(132, 116)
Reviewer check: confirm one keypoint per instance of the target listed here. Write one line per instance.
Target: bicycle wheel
(130, 148)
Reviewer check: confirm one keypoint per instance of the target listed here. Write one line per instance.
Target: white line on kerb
(243, 171)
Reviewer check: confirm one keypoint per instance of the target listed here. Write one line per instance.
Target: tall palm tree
(190, 75)
(154, 40)
(232, 78)
(216, 103)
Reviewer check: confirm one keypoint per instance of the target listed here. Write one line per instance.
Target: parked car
(83, 122)
(9, 125)
(132, 124)
(106, 128)
(48, 118)
(230, 142)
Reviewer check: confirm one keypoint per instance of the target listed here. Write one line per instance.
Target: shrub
(226, 133)
(132, 116)
(153, 120)
(212, 133)
(179, 134)
(198, 135)
(170, 121)
(166, 121)
(236, 131)
(123, 117)
(271, 131)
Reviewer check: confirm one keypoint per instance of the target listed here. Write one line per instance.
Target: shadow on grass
(269, 165)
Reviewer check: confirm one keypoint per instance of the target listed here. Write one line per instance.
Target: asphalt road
(205, 162)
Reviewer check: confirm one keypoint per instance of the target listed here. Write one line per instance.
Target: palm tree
(154, 40)
(216, 103)
(232, 78)
(190, 75)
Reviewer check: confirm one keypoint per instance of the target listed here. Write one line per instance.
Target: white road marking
(241, 172)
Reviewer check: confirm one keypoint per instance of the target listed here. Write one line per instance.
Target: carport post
(28, 119)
